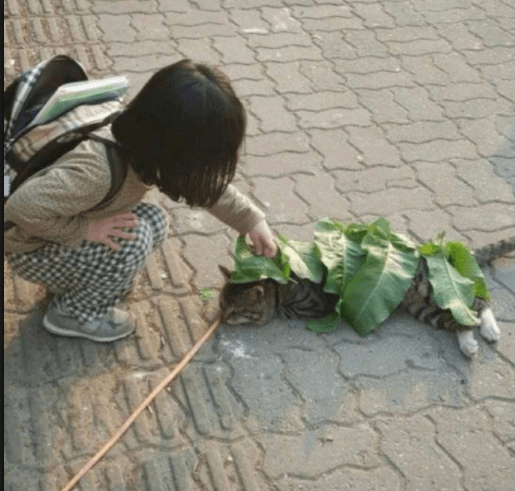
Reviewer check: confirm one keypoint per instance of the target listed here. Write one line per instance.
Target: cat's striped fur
(257, 302)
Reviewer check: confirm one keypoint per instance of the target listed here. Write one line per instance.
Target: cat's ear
(227, 274)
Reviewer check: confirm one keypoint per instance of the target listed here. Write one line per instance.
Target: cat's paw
(489, 328)
(467, 342)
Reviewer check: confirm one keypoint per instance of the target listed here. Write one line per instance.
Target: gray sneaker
(115, 325)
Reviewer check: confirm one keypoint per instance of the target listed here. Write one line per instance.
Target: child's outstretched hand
(100, 230)
(263, 240)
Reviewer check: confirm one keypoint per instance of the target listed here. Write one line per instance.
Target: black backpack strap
(118, 168)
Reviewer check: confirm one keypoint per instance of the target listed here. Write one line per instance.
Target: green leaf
(248, 267)
(341, 256)
(206, 293)
(465, 263)
(451, 290)
(302, 259)
(326, 324)
(382, 281)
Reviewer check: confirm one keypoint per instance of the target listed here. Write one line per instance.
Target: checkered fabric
(94, 277)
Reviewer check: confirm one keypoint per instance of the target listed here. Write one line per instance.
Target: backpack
(30, 146)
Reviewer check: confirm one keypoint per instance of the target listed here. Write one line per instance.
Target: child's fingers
(123, 235)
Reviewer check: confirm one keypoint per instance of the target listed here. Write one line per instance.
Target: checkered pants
(93, 276)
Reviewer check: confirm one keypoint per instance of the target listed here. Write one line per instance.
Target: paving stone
(383, 107)
(454, 15)
(275, 143)
(375, 148)
(288, 54)
(278, 40)
(418, 104)
(277, 196)
(127, 7)
(272, 114)
(492, 56)
(383, 359)
(334, 118)
(467, 437)
(418, 47)
(117, 28)
(427, 224)
(368, 64)
(424, 71)
(481, 176)
(150, 26)
(269, 400)
(444, 181)
(365, 43)
(374, 179)
(490, 379)
(203, 253)
(490, 216)
(245, 88)
(322, 100)
(324, 391)
(382, 479)
(411, 445)
(234, 50)
(341, 24)
(282, 164)
(404, 14)
(437, 150)
(503, 414)
(322, 11)
(338, 153)
(421, 132)
(390, 201)
(321, 453)
(374, 16)
(460, 37)
(407, 33)
(144, 64)
(281, 20)
(506, 88)
(250, 21)
(380, 80)
(322, 76)
(319, 192)
(334, 46)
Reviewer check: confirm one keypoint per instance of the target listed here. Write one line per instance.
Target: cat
(258, 302)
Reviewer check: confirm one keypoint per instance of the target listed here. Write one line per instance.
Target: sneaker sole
(59, 331)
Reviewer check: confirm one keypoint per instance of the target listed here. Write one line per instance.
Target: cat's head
(246, 303)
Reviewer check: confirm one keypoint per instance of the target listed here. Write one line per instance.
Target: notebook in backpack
(49, 110)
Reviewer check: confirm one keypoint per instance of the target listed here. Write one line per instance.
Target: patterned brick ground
(356, 109)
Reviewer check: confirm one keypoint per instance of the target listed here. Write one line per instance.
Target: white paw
(489, 328)
(468, 344)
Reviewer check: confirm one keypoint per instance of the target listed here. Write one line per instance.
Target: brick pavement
(356, 109)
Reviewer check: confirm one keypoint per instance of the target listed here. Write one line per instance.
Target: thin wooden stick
(142, 407)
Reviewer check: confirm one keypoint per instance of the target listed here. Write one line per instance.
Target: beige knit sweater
(52, 205)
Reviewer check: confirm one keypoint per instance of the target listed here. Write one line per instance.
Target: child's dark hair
(183, 131)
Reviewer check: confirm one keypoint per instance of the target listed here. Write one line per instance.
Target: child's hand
(100, 230)
(263, 240)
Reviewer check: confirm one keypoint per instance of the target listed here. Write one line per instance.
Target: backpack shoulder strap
(118, 168)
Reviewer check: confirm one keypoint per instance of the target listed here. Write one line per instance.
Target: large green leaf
(341, 255)
(465, 263)
(382, 281)
(326, 324)
(248, 267)
(451, 290)
(302, 258)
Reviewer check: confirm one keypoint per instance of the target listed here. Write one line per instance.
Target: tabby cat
(258, 301)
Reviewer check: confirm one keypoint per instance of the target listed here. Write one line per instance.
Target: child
(182, 133)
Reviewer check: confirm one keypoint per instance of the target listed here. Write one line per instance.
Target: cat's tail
(487, 254)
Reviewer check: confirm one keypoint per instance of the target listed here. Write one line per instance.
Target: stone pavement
(356, 109)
